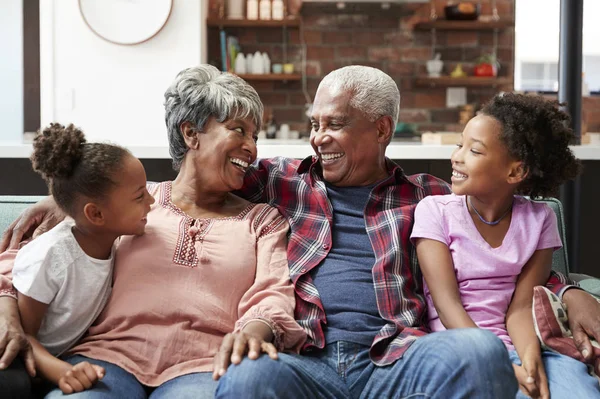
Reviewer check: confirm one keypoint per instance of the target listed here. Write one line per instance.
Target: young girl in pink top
(484, 248)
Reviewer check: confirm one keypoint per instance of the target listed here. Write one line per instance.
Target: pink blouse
(185, 283)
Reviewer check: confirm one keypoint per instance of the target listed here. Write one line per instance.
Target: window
(537, 44)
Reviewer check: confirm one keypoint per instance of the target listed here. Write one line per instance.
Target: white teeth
(458, 175)
(329, 157)
(238, 161)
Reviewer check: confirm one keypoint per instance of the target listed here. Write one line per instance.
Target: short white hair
(373, 92)
(201, 92)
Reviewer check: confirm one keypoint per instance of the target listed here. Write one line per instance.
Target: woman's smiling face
(226, 149)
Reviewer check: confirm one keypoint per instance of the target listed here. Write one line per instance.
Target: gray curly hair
(373, 91)
(201, 92)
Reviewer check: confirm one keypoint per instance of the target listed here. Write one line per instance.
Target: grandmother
(209, 264)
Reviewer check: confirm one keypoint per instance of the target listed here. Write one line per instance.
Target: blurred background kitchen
(105, 64)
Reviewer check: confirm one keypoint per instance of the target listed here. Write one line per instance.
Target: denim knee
(251, 378)
(482, 344)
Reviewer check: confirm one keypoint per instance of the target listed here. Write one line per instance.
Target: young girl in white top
(483, 249)
(64, 277)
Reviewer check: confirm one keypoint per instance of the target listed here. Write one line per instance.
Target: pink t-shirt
(486, 276)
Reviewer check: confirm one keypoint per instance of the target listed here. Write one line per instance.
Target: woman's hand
(532, 375)
(35, 220)
(13, 340)
(250, 340)
(584, 320)
(80, 377)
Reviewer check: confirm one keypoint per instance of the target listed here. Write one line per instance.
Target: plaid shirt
(296, 188)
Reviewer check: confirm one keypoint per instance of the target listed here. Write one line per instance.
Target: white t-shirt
(53, 269)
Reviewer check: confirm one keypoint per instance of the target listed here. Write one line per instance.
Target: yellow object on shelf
(458, 72)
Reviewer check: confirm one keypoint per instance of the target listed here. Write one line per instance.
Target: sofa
(12, 206)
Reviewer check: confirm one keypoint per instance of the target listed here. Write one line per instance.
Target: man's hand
(584, 320)
(235, 346)
(35, 220)
(81, 377)
(13, 340)
(531, 375)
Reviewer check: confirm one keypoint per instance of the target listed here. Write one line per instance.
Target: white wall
(11, 70)
(114, 92)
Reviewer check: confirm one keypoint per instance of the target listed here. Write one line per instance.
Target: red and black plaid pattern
(296, 188)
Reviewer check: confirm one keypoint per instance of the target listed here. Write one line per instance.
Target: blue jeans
(452, 364)
(118, 383)
(567, 377)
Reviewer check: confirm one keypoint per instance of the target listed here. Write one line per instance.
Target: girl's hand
(532, 375)
(235, 346)
(81, 377)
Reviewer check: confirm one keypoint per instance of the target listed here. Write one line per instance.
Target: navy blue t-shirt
(344, 279)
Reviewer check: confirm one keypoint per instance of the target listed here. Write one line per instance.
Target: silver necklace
(493, 222)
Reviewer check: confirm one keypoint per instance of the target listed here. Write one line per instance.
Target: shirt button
(302, 270)
(325, 246)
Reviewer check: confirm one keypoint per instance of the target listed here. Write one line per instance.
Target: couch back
(12, 206)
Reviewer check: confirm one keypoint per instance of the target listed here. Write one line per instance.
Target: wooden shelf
(469, 81)
(249, 23)
(271, 76)
(443, 24)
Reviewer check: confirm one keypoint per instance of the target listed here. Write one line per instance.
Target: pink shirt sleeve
(429, 222)
(271, 298)
(549, 237)
(7, 261)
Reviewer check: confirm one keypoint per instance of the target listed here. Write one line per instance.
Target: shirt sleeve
(549, 237)
(34, 275)
(7, 261)
(271, 298)
(429, 222)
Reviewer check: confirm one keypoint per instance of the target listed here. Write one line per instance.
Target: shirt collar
(393, 169)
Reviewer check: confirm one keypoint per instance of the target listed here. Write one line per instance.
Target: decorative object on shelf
(458, 72)
(271, 126)
(249, 63)
(277, 68)
(293, 8)
(405, 130)
(264, 10)
(483, 23)
(284, 131)
(111, 20)
(468, 81)
(271, 77)
(257, 63)
(252, 10)
(288, 68)
(277, 10)
(487, 66)
(266, 62)
(240, 64)
(463, 11)
(235, 9)
(434, 66)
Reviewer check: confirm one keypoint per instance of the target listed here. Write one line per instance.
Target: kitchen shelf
(271, 76)
(443, 24)
(469, 81)
(250, 23)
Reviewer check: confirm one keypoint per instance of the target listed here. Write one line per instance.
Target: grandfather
(358, 286)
